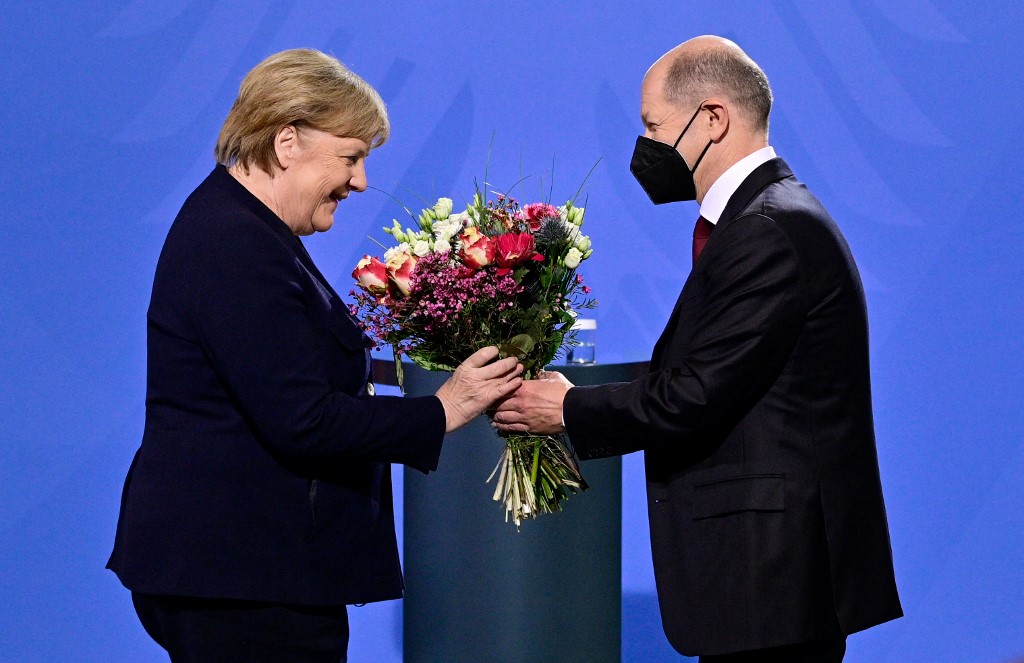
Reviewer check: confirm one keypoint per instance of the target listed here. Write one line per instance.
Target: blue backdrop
(904, 116)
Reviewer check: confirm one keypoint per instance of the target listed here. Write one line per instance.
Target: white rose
(445, 230)
(573, 258)
(443, 208)
(401, 248)
(421, 248)
(442, 246)
(582, 242)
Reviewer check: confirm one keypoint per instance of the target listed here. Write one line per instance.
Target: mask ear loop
(692, 118)
(708, 147)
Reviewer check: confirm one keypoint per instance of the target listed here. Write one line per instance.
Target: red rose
(372, 275)
(477, 249)
(400, 268)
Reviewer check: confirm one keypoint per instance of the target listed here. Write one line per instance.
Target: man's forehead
(651, 99)
(653, 79)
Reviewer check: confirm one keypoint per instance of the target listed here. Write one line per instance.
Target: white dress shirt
(721, 191)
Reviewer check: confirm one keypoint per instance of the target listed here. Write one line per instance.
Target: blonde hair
(304, 88)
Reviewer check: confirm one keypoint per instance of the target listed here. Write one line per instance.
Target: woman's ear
(286, 145)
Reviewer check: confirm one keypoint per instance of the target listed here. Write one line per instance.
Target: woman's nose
(358, 180)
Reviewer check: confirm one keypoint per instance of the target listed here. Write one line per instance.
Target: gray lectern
(477, 590)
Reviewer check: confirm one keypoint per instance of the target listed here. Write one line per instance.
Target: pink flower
(536, 212)
(400, 268)
(477, 249)
(372, 275)
(513, 249)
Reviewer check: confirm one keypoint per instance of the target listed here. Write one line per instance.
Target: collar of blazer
(253, 204)
(769, 172)
(247, 200)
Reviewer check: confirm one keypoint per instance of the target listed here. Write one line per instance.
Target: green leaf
(518, 346)
(423, 360)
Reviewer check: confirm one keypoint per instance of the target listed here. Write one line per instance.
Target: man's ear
(286, 145)
(718, 118)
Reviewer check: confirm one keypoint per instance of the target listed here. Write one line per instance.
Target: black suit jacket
(766, 512)
(263, 471)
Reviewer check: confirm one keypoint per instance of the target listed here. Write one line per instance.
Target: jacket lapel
(767, 173)
(333, 300)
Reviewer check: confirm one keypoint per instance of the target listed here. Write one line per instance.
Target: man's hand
(536, 407)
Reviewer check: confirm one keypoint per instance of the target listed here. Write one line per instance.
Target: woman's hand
(476, 385)
(536, 407)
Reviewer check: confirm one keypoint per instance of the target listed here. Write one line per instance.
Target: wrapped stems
(535, 474)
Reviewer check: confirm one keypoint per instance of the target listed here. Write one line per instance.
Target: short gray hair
(726, 72)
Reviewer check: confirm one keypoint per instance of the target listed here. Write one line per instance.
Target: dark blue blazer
(767, 520)
(263, 472)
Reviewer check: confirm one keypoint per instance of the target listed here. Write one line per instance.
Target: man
(768, 529)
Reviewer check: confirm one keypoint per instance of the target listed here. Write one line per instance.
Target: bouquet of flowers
(498, 273)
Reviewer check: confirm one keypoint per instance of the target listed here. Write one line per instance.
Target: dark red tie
(701, 233)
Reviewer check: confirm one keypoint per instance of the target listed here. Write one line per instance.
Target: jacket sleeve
(750, 316)
(250, 313)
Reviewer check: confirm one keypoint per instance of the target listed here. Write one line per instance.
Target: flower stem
(536, 462)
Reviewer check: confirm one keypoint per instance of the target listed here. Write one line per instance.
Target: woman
(259, 503)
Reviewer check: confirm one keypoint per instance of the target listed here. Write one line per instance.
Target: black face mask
(662, 171)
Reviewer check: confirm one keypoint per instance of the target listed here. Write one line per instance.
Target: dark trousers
(821, 651)
(196, 630)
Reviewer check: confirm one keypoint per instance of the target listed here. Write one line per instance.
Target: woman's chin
(323, 223)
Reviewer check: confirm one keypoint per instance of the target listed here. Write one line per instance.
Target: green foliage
(426, 359)
(518, 346)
